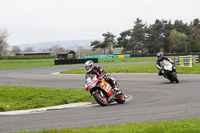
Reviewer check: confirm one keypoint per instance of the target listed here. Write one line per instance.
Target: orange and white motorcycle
(102, 90)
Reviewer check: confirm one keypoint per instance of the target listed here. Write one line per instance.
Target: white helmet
(160, 54)
(89, 65)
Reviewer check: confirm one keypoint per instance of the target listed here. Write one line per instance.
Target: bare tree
(29, 49)
(3, 40)
(16, 49)
(81, 52)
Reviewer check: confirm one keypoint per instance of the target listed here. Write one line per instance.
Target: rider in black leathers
(160, 59)
(97, 70)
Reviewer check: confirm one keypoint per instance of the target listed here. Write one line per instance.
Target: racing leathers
(97, 70)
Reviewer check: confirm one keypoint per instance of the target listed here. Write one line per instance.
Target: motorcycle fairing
(91, 81)
(167, 65)
(106, 87)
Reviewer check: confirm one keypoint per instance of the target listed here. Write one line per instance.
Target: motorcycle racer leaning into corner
(160, 59)
(97, 70)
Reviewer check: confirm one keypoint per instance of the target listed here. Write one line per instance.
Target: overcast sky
(35, 21)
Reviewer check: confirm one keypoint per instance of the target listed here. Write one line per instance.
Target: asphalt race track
(152, 98)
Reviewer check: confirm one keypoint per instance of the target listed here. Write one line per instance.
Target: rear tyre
(100, 98)
(120, 98)
(177, 81)
(175, 77)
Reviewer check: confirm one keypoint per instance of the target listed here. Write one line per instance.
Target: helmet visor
(87, 68)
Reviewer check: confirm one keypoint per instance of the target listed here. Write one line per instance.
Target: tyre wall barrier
(74, 61)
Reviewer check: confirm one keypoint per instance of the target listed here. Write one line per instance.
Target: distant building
(32, 53)
(7, 53)
(65, 55)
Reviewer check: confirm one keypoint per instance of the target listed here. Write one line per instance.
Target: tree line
(163, 35)
(3, 40)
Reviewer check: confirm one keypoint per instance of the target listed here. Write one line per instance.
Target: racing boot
(160, 73)
(116, 89)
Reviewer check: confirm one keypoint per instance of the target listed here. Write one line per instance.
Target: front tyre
(120, 98)
(100, 98)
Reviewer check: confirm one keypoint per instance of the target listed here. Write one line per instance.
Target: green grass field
(138, 68)
(31, 63)
(182, 126)
(20, 98)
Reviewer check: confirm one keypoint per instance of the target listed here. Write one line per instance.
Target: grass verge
(28, 63)
(138, 68)
(182, 126)
(19, 98)
(31, 63)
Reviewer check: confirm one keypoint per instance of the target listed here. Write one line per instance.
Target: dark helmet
(89, 65)
(160, 54)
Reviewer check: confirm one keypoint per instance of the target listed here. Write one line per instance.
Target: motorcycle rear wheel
(120, 98)
(100, 98)
(175, 78)
(177, 81)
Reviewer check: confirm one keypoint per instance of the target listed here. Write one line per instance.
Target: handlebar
(102, 76)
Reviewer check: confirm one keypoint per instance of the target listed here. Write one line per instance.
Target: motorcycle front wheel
(100, 98)
(120, 98)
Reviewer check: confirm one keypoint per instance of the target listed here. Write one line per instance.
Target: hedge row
(28, 57)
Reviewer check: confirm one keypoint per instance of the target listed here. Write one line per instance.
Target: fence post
(175, 60)
(193, 60)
